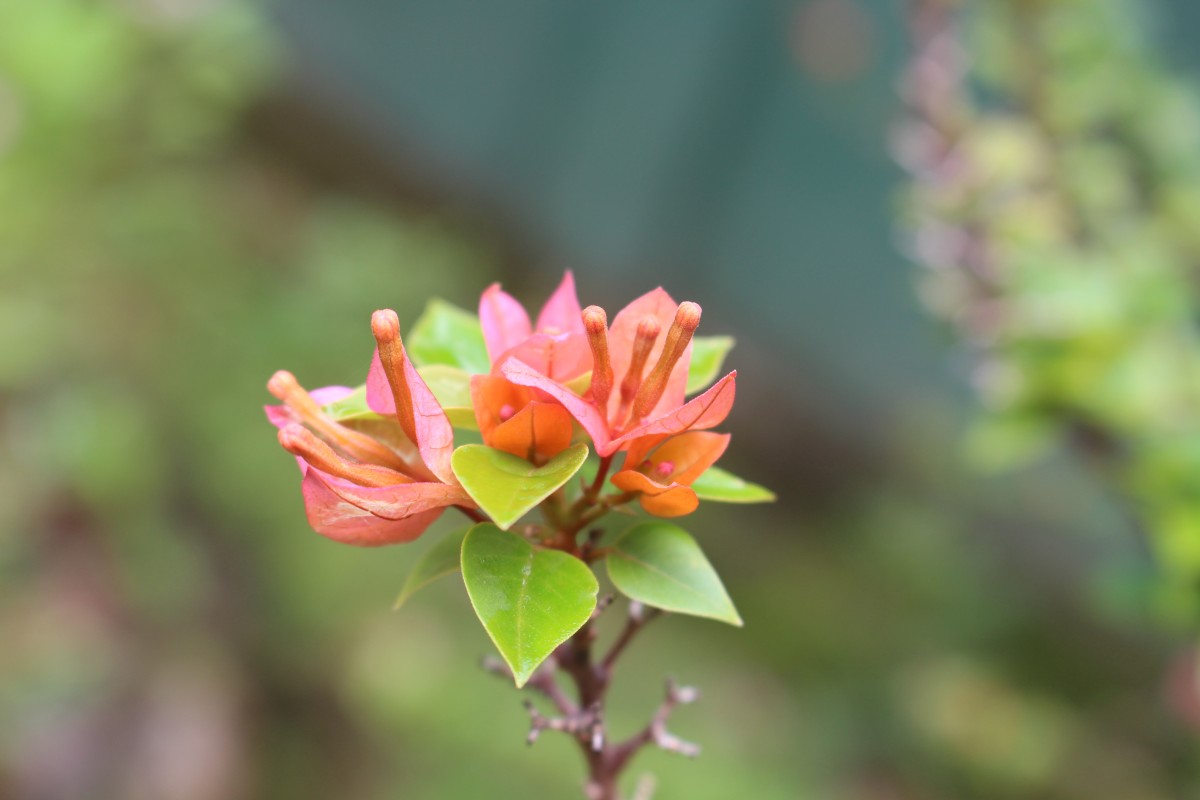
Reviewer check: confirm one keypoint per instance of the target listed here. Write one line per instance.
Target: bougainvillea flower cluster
(498, 415)
(376, 462)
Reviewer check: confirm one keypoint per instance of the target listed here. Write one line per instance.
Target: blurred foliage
(171, 628)
(155, 269)
(1056, 197)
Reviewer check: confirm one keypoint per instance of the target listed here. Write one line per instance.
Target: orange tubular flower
(661, 468)
(359, 489)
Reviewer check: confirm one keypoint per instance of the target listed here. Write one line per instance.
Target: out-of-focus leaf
(724, 487)
(506, 487)
(445, 334)
(440, 559)
(452, 388)
(351, 407)
(661, 565)
(529, 600)
(708, 354)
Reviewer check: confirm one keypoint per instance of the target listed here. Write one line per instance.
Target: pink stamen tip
(294, 438)
(507, 412)
(282, 384)
(595, 321)
(648, 328)
(664, 468)
(385, 325)
(688, 315)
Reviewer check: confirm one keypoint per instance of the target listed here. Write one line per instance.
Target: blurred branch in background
(1055, 197)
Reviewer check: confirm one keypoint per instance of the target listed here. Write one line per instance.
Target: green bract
(708, 354)
(439, 560)
(445, 334)
(506, 487)
(724, 487)
(529, 600)
(661, 565)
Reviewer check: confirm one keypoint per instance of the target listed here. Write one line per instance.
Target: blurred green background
(195, 193)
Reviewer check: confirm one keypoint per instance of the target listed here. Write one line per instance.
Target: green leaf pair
(532, 599)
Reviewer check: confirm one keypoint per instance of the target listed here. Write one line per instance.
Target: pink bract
(557, 347)
(435, 435)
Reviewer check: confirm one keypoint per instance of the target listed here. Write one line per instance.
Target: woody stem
(590, 673)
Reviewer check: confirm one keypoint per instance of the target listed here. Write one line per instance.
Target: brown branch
(639, 617)
(656, 731)
(542, 681)
(586, 726)
(583, 718)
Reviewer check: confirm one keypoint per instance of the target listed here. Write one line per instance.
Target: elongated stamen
(595, 322)
(385, 325)
(647, 332)
(284, 386)
(687, 319)
(299, 441)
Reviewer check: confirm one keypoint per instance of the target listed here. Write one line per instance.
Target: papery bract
(700, 413)
(657, 305)
(435, 435)
(647, 403)
(661, 468)
(556, 347)
(357, 489)
(516, 420)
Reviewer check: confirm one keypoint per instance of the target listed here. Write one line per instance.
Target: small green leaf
(661, 565)
(445, 334)
(506, 487)
(724, 487)
(351, 407)
(708, 354)
(581, 384)
(452, 388)
(440, 559)
(529, 600)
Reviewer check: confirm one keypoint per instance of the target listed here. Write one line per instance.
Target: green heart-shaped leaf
(708, 354)
(529, 600)
(661, 565)
(506, 487)
(452, 388)
(445, 334)
(725, 487)
(440, 559)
